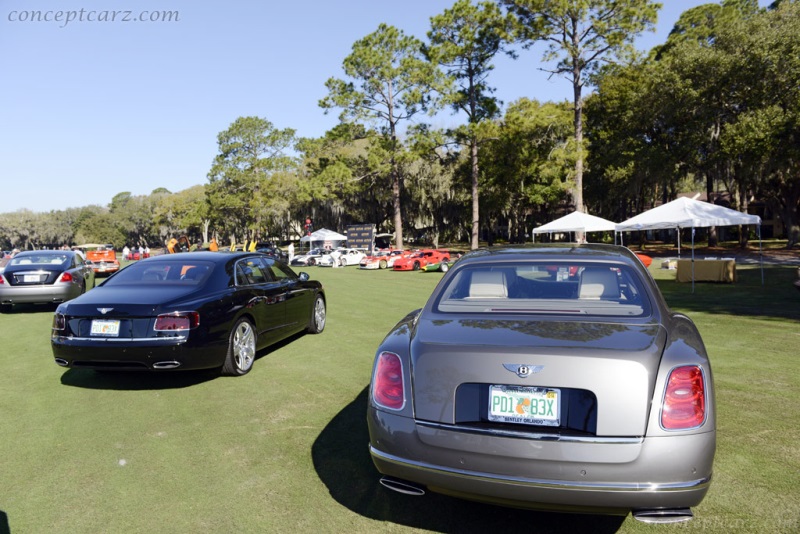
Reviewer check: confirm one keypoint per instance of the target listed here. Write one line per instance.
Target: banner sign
(360, 236)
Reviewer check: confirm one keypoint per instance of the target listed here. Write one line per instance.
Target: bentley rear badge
(104, 310)
(523, 370)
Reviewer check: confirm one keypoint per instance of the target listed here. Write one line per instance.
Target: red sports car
(423, 259)
(383, 259)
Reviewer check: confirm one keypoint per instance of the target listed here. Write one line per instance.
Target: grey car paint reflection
(44, 277)
(606, 354)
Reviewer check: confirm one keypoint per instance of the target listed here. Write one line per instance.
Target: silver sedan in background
(44, 277)
(554, 378)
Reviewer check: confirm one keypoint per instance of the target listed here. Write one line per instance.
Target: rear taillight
(684, 404)
(65, 277)
(59, 322)
(387, 387)
(2, 280)
(177, 321)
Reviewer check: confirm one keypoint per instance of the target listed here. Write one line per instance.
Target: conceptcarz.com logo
(65, 17)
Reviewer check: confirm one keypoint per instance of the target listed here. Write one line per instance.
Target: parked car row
(552, 377)
(398, 260)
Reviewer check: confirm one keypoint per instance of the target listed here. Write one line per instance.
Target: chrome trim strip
(529, 435)
(644, 487)
(176, 339)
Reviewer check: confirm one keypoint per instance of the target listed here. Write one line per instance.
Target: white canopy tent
(685, 212)
(576, 222)
(323, 234)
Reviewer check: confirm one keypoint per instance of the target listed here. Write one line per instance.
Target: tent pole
(692, 260)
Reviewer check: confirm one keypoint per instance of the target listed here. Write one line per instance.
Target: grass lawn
(284, 449)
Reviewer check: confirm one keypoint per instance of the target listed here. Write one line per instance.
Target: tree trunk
(475, 204)
(578, 123)
(398, 215)
(790, 200)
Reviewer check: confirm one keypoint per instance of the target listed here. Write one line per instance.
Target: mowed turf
(284, 448)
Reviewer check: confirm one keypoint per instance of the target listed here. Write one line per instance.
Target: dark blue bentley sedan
(197, 310)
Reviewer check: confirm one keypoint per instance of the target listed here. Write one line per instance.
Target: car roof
(222, 256)
(552, 251)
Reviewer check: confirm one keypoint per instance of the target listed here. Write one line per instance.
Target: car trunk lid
(616, 361)
(133, 301)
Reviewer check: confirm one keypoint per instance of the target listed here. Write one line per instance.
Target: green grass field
(284, 449)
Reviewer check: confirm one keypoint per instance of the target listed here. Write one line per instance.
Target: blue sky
(91, 108)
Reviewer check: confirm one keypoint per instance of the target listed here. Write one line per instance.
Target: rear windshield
(546, 288)
(183, 272)
(43, 259)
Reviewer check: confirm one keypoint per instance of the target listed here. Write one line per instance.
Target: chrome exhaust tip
(402, 486)
(166, 365)
(663, 516)
(62, 362)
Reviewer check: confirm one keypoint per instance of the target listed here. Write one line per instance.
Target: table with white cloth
(707, 271)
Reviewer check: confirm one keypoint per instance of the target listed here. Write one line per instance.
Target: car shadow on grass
(342, 462)
(135, 380)
(29, 309)
(144, 380)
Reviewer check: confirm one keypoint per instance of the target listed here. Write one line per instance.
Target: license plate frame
(105, 328)
(31, 278)
(527, 405)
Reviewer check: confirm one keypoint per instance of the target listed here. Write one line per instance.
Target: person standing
(291, 252)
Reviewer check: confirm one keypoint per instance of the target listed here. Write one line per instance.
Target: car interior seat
(598, 283)
(488, 284)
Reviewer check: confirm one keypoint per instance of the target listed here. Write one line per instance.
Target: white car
(342, 257)
(309, 258)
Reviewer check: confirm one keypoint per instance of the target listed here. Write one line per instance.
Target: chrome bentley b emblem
(523, 370)
(104, 310)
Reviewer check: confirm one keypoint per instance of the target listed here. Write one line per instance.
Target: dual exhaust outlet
(158, 365)
(654, 516)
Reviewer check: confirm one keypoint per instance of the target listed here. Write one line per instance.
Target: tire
(342, 262)
(318, 316)
(241, 349)
(311, 262)
(444, 267)
(382, 264)
(416, 266)
(6, 308)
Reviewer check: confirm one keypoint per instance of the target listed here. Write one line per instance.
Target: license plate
(31, 278)
(526, 405)
(105, 327)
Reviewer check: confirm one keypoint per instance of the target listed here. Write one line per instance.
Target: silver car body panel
(629, 461)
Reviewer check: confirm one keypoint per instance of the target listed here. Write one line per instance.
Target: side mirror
(303, 277)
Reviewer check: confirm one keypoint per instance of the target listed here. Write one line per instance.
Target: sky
(91, 107)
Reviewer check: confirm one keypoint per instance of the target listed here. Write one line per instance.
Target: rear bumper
(588, 475)
(106, 269)
(39, 294)
(148, 354)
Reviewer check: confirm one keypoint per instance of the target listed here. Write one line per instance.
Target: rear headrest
(488, 284)
(598, 283)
